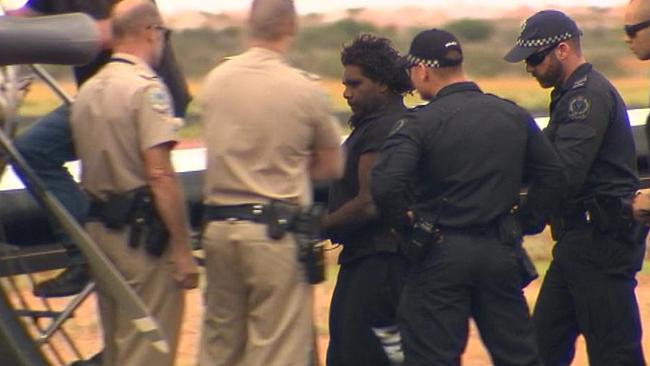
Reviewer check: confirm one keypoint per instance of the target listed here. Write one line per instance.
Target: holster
(280, 217)
(311, 252)
(510, 232)
(424, 235)
(609, 215)
(134, 209)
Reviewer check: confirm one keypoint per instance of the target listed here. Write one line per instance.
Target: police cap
(545, 28)
(434, 48)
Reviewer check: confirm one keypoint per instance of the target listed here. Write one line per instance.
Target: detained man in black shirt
(589, 286)
(362, 315)
(466, 154)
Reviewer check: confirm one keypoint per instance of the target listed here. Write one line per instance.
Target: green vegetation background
(318, 45)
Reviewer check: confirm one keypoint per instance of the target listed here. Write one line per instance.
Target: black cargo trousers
(589, 290)
(466, 276)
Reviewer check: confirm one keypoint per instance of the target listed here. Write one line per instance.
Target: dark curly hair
(378, 61)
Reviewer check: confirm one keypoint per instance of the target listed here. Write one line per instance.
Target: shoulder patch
(397, 126)
(580, 82)
(579, 107)
(159, 100)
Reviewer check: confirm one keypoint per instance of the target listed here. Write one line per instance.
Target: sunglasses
(538, 57)
(166, 32)
(632, 29)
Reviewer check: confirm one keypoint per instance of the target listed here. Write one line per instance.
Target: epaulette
(580, 83)
(226, 59)
(149, 77)
(417, 107)
(147, 74)
(503, 99)
(310, 76)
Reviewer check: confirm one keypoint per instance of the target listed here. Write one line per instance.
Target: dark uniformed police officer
(637, 31)
(363, 325)
(589, 286)
(466, 153)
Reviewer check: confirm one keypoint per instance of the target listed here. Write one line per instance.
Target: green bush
(471, 30)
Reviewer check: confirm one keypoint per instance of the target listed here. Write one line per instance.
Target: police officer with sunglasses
(637, 30)
(589, 286)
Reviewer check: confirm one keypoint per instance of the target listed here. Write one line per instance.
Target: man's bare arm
(170, 203)
(359, 209)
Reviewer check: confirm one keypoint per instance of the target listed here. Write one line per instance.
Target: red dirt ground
(85, 331)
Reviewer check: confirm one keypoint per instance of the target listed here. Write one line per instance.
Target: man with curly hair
(363, 328)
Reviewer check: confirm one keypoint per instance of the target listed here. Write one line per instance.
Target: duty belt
(490, 230)
(255, 212)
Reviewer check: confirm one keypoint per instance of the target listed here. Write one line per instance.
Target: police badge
(579, 107)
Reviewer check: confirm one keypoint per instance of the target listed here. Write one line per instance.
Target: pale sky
(310, 6)
(315, 6)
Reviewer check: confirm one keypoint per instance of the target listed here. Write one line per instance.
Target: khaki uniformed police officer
(268, 131)
(123, 129)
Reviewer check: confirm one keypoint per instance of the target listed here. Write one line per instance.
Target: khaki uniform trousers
(258, 305)
(151, 279)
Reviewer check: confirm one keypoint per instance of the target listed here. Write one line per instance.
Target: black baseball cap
(434, 48)
(545, 28)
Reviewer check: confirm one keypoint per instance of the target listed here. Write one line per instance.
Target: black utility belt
(490, 230)
(255, 212)
(135, 210)
(281, 217)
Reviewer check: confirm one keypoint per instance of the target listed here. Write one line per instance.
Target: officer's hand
(641, 207)
(185, 270)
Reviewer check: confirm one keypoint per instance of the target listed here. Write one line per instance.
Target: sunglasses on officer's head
(632, 29)
(538, 57)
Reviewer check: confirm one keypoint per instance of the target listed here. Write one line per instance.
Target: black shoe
(96, 360)
(69, 282)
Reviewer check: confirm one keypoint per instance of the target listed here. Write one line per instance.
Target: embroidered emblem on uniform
(397, 126)
(159, 100)
(580, 83)
(579, 107)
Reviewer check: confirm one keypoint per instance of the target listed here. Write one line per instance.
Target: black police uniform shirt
(471, 150)
(98, 9)
(591, 132)
(367, 137)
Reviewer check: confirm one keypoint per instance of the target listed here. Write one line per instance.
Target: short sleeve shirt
(119, 113)
(262, 120)
(368, 137)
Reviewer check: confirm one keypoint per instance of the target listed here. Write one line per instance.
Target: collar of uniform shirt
(580, 72)
(457, 88)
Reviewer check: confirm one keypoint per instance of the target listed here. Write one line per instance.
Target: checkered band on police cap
(545, 28)
(434, 48)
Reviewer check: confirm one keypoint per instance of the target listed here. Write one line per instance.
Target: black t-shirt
(367, 137)
(98, 9)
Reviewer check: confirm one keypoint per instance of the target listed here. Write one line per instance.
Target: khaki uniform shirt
(262, 120)
(119, 113)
